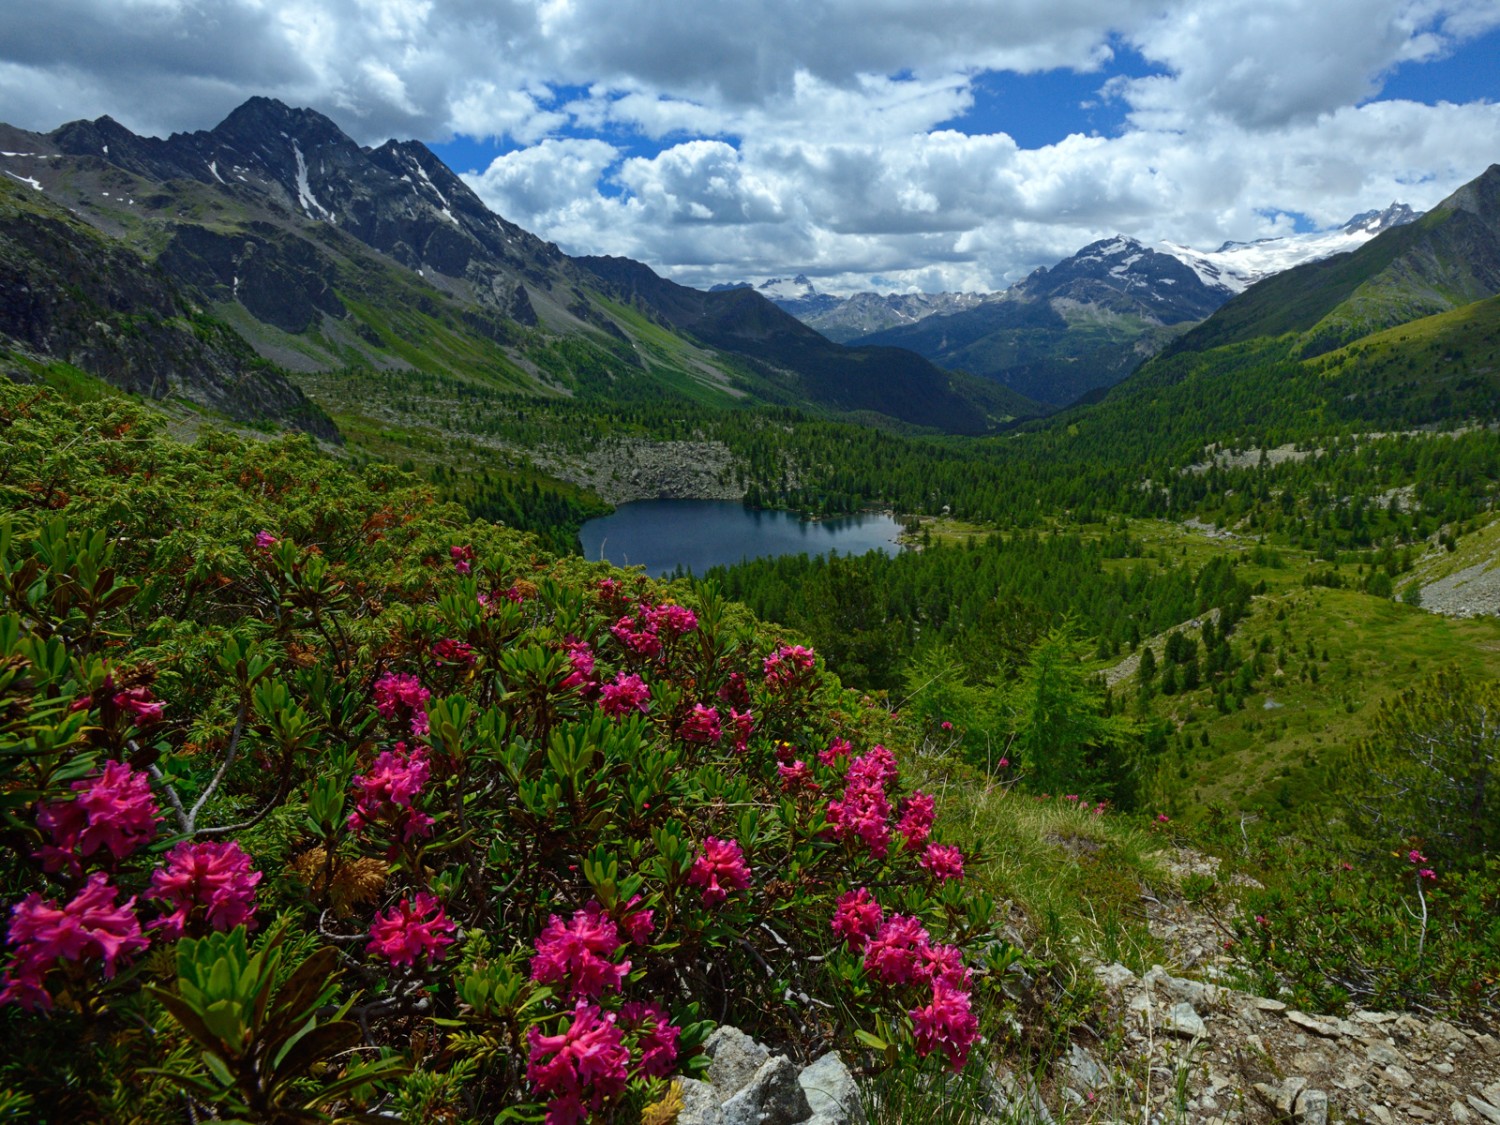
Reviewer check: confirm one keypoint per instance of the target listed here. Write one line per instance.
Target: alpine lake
(662, 535)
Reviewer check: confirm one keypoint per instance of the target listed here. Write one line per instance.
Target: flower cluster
(719, 869)
(90, 926)
(386, 794)
(638, 634)
(917, 814)
(113, 810)
(700, 725)
(857, 918)
(655, 1036)
(208, 883)
(943, 861)
(399, 696)
(864, 812)
(947, 1023)
(581, 663)
(463, 558)
(575, 955)
(451, 651)
(627, 692)
(581, 1067)
(412, 929)
(788, 665)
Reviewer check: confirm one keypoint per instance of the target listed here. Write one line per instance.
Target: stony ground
(1196, 1053)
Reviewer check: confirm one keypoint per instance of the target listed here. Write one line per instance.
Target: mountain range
(319, 255)
(1080, 325)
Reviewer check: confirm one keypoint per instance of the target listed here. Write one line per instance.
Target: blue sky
(932, 144)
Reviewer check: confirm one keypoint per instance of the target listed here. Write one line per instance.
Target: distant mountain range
(279, 235)
(1084, 323)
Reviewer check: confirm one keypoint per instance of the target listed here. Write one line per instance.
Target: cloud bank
(850, 139)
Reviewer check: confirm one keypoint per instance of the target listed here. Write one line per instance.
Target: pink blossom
(451, 651)
(917, 814)
(137, 702)
(638, 637)
(114, 809)
(857, 918)
(581, 1067)
(893, 955)
(626, 693)
(797, 776)
(398, 692)
(387, 793)
(412, 929)
(207, 882)
(1003, 762)
(735, 691)
(675, 619)
(877, 767)
(1416, 856)
(1427, 873)
(577, 954)
(946, 725)
(264, 540)
(463, 558)
(638, 924)
(838, 748)
(787, 665)
(943, 861)
(744, 726)
(581, 663)
(1163, 818)
(720, 869)
(655, 1036)
(89, 926)
(947, 1023)
(944, 963)
(701, 725)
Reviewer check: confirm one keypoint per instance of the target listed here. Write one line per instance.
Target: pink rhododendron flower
(414, 928)
(580, 1067)
(946, 725)
(581, 662)
(655, 1036)
(857, 918)
(674, 619)
(877, 767)
(386, 794)
(944, 963)
(1415, 856)
(577, 954)
(210, 882)
(735, 691)
(639, 638)
(453, 652)
(1163, 818)
(787, 665)
(797, 776)
(719, 869)
(137, 703)
(947, 1023)
(838, 748)
(743, 723)
(114, 810)
(1427, 873)
(626, 693)
(943, 861)
(89, 926)
(893, 955)
(917, 813)
(638, 924)
(463, 558)
(396, 693)
(265, 540)
(702, 725)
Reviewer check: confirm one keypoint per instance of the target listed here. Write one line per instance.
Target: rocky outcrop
(67, 294)
(747, 1085)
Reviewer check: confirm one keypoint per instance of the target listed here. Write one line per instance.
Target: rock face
(748, 1085)
(67, 294)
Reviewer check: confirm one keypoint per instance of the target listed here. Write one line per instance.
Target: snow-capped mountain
(1238, 265)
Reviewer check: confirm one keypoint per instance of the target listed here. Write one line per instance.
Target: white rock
(1181, 1019)
(1484, 1109)
(830, 1090)
(736, 1058)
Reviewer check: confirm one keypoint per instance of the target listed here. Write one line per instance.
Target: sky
(895, 145)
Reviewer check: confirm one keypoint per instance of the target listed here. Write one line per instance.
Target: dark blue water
(697, 534)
